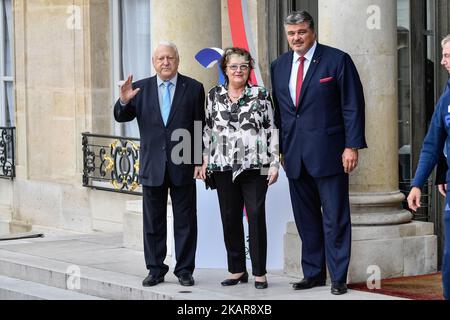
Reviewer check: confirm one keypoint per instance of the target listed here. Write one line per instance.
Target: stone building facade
(65, 82)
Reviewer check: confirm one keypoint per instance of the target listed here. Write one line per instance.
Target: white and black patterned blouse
(242, 135)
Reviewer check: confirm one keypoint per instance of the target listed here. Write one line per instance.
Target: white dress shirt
(162, 88)
(295, 63)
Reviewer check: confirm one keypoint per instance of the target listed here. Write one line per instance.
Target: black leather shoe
(152, 280)
(338, 288)
(261, 285)
(308, 283)
(186, 279)
(232, 282)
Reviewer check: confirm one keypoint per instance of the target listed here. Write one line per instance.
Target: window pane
(8, 27)
(136, 46)
(9, 104)
(136, 50)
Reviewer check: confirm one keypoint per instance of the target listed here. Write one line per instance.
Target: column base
(6, 202)
(5, 219)
(398, 250)
(381, 218)
(371, 209)
(133, 229)
(133, 226)
(16, 226)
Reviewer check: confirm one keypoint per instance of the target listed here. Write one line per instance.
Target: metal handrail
(111, 163)
(7, 154)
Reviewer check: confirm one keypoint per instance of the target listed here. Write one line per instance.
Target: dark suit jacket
(156, 146)
(330, 115)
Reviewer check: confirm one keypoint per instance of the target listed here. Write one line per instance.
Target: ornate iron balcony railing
(7, 157)
(111, 163)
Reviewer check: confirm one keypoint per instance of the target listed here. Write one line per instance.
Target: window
(6, 64)
(131, 49)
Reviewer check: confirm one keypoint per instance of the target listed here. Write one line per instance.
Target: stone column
(192, 25)
(371, 41)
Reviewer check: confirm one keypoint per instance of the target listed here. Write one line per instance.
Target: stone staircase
(97, 266)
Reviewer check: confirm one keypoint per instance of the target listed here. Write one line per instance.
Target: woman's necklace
(235, 96)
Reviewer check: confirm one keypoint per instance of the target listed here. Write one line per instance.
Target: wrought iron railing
(111, 163)
(7, 157)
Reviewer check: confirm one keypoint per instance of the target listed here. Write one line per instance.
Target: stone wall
(62, 88)
(6, 196)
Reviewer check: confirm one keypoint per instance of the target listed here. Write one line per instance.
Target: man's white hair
(168, 44)
(445, 40)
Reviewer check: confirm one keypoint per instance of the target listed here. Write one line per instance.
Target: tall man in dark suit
(320, 113)
(162, 104)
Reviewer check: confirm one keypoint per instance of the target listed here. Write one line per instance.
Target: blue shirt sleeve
(432, 147)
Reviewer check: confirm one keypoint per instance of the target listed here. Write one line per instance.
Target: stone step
(16, 289)
(99, 266)
(95, 282)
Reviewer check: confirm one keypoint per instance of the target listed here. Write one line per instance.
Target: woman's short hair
(238, 52)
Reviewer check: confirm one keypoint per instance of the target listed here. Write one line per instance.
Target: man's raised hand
(126, 90)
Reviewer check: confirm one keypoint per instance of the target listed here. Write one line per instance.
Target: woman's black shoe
(261, 285)
(232, 282)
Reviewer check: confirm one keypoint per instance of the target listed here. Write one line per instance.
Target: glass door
(415, 92)
(404, 94)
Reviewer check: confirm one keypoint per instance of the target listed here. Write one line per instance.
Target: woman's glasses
(242, 67)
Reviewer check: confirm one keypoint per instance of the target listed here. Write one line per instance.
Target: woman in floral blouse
(241, 149)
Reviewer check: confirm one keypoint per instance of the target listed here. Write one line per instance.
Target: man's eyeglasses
(242, 67)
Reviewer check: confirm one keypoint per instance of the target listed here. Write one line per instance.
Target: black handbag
(210, 183)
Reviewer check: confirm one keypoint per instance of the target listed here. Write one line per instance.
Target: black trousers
(155, 226)
(249, 189)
